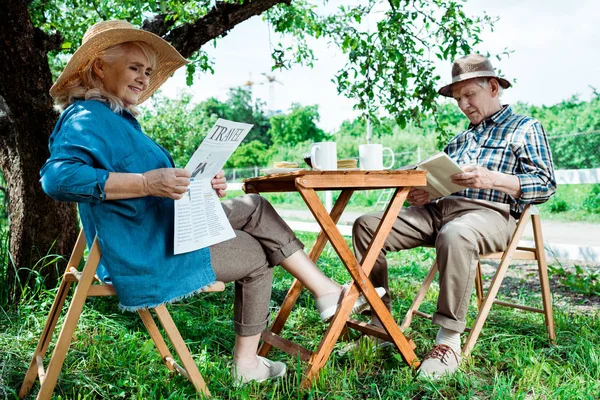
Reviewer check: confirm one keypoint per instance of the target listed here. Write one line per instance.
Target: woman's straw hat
(469, 67)
(106, 34)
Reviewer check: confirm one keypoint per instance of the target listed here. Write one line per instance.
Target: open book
(440, 169)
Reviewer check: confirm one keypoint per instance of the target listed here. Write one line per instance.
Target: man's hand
(417, 197)
(166, 182)
(475, 176)
(219, 183)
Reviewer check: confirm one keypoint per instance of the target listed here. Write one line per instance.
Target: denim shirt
(135, 235)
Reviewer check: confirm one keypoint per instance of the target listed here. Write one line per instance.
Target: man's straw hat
(469, 67)
(106, 34)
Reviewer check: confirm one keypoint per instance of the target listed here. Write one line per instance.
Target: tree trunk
(39, 226)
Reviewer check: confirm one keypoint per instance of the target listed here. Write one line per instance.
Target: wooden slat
(40, 368)
(422, 314)
(53, 316)
(101, 290)
(335, 180)
(156, 336)
(217, 286)
(373, 330)
(177, 367)
(517, 255)
(519, 306)
(269, 187)
(362, 181)
(287, 346)
(77, 254)
(182, 350)
(385, 225)
(543, 274)
(70, 324)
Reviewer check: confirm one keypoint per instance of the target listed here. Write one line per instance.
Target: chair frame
(485, 301)
(88, 285)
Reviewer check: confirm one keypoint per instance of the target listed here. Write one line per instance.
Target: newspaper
(199, 218)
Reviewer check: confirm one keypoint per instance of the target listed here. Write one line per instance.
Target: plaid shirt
(512, 144)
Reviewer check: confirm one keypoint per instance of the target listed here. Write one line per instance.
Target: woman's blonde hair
(87, 85)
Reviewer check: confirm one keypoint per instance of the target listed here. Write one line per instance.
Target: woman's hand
(417, 197)
(166, 182)
(219, 183)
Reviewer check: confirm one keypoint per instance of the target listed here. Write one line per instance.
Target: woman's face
(127, 77)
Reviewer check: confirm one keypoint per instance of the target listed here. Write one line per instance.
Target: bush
(592, 201)
(557, 205)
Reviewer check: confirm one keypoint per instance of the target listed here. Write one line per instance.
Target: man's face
(475, 102)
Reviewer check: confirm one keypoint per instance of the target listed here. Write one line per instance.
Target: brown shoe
(441, 360)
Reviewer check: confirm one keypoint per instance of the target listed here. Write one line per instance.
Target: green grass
(112, 356)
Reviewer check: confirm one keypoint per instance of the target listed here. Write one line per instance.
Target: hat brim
(446, 91)
(168, 59)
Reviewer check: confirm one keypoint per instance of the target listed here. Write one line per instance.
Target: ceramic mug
(323, 156)
(371, 157)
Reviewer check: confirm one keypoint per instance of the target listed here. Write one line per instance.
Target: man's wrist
(509, 184)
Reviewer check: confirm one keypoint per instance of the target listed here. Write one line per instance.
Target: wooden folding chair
(485, 301)
(88, 285)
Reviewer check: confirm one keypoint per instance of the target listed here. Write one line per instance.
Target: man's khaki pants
(460, 229)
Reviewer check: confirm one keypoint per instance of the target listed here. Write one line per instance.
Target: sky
(554, 43)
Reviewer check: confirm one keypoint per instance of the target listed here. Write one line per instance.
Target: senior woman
(125, 184)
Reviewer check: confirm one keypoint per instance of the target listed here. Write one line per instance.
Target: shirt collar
(496, 118)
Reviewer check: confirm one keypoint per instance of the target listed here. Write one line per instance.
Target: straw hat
(106, 34)
(469, 67)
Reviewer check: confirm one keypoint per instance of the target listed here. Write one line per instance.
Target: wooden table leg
(296, 288)
(359, 275)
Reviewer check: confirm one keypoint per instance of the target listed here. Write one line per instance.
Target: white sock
(449, 338)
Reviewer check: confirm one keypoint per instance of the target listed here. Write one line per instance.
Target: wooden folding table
(307, 183)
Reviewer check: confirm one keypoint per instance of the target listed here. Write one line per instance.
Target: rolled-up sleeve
(67, 179)
(537, 179)
(74, 170)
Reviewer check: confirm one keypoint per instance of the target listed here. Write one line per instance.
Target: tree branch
(46, 42)
(189, 38)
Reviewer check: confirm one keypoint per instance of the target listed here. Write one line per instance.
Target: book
(440, 169)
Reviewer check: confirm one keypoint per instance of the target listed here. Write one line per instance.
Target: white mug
(371, 157)
(323, 156)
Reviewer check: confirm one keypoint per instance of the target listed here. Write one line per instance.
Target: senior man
(507, 164)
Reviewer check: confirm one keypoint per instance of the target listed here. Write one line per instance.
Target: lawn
(112, 356)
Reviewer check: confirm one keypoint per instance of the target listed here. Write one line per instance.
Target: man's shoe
(265, 370)
(440, 361)
(328, 305)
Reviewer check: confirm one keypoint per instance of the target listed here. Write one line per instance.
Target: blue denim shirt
(135, 235)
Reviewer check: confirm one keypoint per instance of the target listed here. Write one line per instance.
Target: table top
(335, 180)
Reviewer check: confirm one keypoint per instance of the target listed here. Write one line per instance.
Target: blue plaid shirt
(512, 144)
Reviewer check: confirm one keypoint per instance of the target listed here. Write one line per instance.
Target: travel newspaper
(199, 218)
